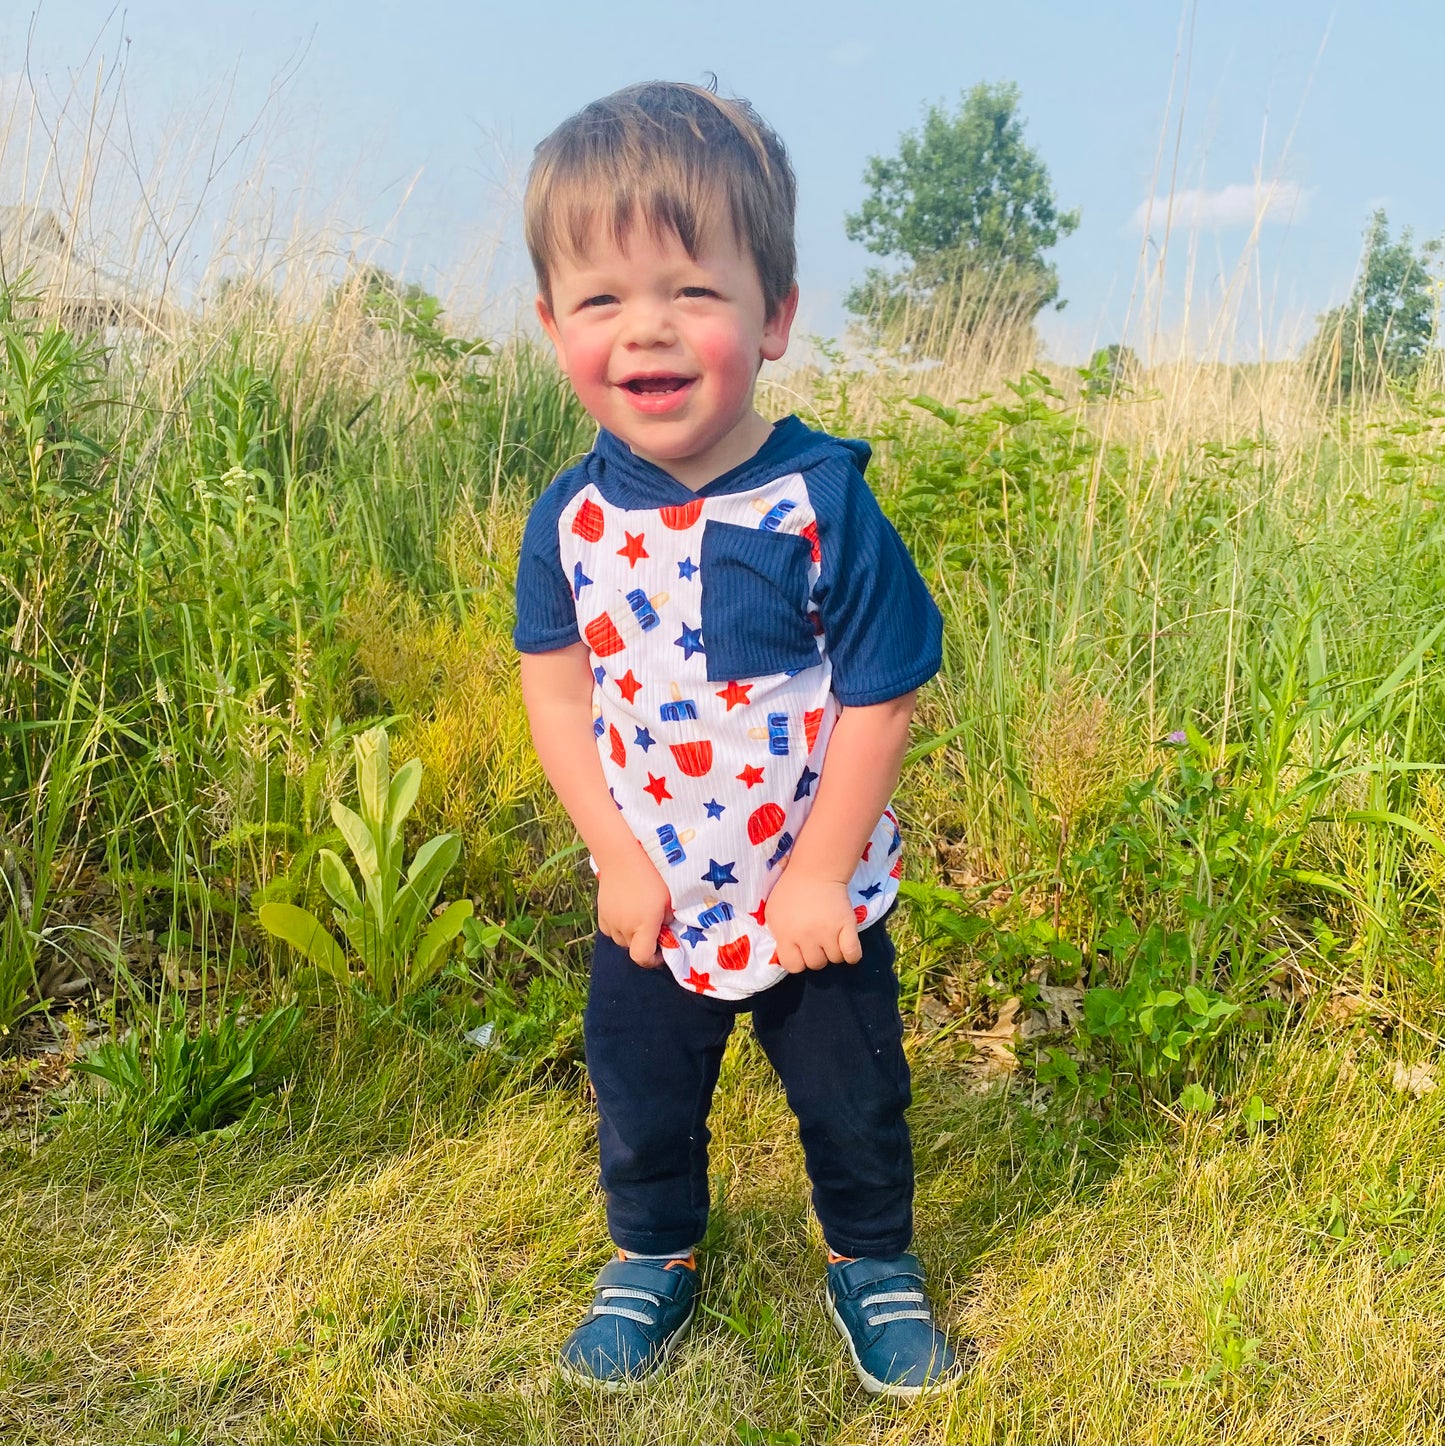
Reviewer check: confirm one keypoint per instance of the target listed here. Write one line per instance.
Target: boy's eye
(603, 299)
(698, 291)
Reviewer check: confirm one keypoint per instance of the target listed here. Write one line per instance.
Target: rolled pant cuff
(641, 1244)
(883, 1249)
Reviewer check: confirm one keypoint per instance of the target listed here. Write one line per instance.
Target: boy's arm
(808, 911)
(632, 900)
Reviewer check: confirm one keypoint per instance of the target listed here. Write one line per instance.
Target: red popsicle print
(602, 636)
(896, 872)
(619, 753)
(679, 519)
(764, 822)
(811, 533)
(695, 758)
(588, 522)
(667, 939)
(860, 912)
(735, 955)
(812, 721)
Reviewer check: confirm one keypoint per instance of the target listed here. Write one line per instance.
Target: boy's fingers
(850, 947)
(643, 945)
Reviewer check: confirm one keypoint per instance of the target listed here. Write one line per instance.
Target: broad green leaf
(1196, 999)
(434, 861)
(1194, 1099)
(404, 789)
(363, 850)
(439, 935)
(364, 936)
(305, 933)
(373, 773)
(336, 880)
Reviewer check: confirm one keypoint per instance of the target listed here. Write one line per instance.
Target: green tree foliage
(967, 210)
(1385, 331)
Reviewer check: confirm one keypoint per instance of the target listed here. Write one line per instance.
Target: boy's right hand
(632, 902)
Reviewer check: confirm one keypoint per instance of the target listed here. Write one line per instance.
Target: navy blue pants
(835, 1038)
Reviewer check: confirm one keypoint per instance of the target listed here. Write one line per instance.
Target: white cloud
(1229, 208)
(850, 54)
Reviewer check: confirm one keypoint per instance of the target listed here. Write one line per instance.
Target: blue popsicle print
(671, 845)
(719, 913)
(785, 842)
(773, 517)
(642, 609)
(778, 734)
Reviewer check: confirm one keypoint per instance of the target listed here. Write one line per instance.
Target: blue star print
(694, 935)
(686, 568)
(720, 874)
(579, 580)
(644, 740)
(600, 673)
(714, 808)
(690, 642)
(805, 784)
(871, 891)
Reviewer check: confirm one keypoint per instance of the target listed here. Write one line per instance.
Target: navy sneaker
(881, 1310)
(641, 1310)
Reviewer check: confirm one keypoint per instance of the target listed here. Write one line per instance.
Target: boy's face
(663, 349)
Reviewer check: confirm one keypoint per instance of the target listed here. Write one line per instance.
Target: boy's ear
(778, 327)
(549, 325)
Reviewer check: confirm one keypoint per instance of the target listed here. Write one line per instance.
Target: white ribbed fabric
(715, 778)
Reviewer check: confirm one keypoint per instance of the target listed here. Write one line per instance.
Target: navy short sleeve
(546, 613)
(883, 629)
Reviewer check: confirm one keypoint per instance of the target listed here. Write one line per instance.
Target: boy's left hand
(811, 921)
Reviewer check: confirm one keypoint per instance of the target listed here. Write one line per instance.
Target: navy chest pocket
(755, 602)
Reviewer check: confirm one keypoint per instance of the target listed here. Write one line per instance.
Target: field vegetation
(1172, 943)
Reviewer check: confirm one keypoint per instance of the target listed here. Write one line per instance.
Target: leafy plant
(388, 923)
(167, 1080)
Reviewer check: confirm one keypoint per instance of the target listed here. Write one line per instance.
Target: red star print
(749, 775)
(628, 686)
(700, 982)
(657, 787)
(760, 912)
(734, 694)
(633, 550)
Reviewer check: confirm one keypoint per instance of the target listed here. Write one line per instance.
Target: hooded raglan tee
(725, 627)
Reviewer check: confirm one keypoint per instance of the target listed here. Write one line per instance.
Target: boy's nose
(648, 324)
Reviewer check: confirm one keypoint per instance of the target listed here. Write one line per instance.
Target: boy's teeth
(655, 384)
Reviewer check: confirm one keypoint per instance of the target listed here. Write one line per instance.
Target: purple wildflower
(1177, 737)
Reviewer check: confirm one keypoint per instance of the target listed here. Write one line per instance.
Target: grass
(328, 1278)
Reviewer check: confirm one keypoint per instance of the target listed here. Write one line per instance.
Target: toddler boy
(721, 639)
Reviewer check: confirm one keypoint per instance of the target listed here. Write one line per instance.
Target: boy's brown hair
(679, 158)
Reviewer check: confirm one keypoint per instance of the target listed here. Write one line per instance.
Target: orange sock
(835, 1259)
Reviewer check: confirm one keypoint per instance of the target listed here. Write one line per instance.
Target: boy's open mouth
(656, 386)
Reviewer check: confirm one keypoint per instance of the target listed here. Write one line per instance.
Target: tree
(967, 209)
(1385, 330)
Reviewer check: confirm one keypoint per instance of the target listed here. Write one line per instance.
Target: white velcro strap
(639, 1316)
(885, 1296)
(609, 1291)
(888, 1315)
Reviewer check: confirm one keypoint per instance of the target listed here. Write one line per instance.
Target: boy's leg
(653, 1053)
(835, 1037)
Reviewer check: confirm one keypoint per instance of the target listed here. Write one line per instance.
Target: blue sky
(418, 121)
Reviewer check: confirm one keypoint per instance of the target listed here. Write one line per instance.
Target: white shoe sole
(597, 1383)
(871, 1383)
